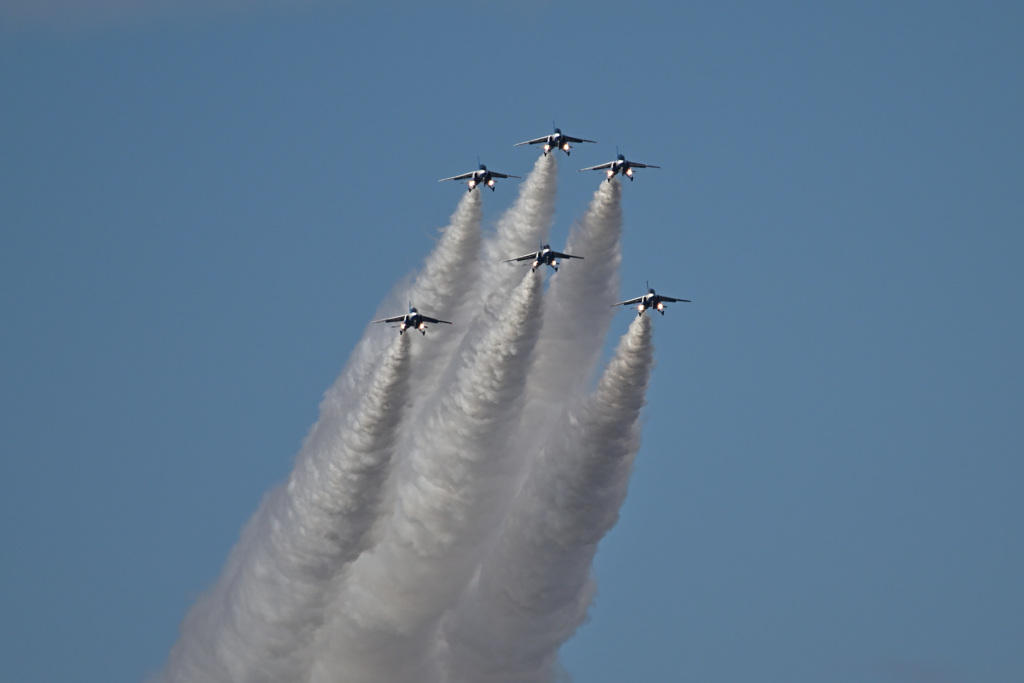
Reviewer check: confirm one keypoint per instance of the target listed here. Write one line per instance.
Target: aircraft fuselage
(620, 166)
(557, 141)
(481, 177)
(545, 257)
(651, 300)
(413, 321)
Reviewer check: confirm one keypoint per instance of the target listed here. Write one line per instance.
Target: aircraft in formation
(413, 320)
(417, 321)
(650, 300)
(620, 165)
(556, 140)
(481, 176)
(552, 141)
(544, 256)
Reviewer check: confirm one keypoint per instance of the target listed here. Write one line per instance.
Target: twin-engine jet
(650, 300)
(543, 257)
(413, 320)
(481, 176)
(556, 140)
(621, 165)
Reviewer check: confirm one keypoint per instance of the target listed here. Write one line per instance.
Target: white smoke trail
(526, 223)
(405, 541)
(257, 622)
(461, 468)
(443, 279)
(533, 589)
(488, 284)
(578, 311)
(577, 314)
(440, 288)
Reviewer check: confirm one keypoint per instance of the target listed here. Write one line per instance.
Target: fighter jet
(650, 300)
(413, 320)
(479, 177)
(543, 256)
(556, 140)
(620, 165)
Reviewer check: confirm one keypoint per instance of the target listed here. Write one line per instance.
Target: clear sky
(203, 204)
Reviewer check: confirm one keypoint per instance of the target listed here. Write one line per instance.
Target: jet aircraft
(481, 176)
(620, 165)
(556, 140)
(543, 256)
(413, 320)
(650, 300)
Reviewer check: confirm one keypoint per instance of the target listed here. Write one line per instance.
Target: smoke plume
(258, 620)
(533, 588)
(444, 511)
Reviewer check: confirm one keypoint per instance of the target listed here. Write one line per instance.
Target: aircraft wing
(525, 257)
(434, 320)
(535, 141)
(464, 176)
(629, 302)
(396, 319)
(561, 255)
(572, 139)
(503, 175)
(668, 298)
(637, 164)
(598, 167)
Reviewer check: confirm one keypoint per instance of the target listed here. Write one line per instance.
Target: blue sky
(201, 210)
